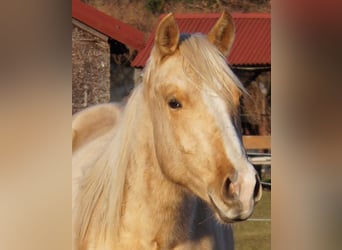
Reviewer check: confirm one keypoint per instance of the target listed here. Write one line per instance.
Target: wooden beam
(257, 141)
(89, 29)
(263, 160)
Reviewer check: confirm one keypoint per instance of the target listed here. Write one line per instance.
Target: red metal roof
(252, 45)
(108, 25)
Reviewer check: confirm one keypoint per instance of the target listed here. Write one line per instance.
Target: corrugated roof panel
(252, 45)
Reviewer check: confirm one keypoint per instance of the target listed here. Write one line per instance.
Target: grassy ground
(255, 235)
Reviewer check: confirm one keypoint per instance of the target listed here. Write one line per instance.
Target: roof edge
(216, 15)
(108, 25)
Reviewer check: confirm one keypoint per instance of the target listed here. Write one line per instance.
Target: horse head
(193, 98)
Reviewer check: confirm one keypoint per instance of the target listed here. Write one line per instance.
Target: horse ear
(223, 33)
(167, 35)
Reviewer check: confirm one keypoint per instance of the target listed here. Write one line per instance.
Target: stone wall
(90, 67)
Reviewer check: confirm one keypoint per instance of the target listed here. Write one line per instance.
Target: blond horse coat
(157, 175)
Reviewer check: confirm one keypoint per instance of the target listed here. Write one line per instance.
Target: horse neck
(162, 207)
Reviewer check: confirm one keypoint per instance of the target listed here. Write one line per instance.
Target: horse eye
(174, 104)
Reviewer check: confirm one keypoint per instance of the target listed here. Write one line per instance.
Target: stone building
(102, 48)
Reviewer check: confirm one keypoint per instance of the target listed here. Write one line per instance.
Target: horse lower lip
(222, 216)
(218, 211)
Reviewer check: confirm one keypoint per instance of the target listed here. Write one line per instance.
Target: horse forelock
(210, 65)
(203, 63)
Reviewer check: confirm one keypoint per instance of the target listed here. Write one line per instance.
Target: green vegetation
(255, 235)
(154, 5)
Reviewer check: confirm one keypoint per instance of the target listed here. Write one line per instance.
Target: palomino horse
(172, 165)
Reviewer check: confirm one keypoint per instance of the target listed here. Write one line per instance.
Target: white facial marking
(232, 143)
(244, 180)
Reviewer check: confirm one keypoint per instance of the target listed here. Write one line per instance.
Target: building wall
(90, 68)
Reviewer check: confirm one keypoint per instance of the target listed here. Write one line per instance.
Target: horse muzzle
(236, 201)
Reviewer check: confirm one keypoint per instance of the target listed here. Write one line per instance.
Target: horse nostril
(227, 185)
(228, 189)
(256, 187)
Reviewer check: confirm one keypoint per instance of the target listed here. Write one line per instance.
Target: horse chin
(227, 215)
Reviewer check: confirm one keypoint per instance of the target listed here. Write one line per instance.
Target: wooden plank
(260, 160)
(256, 141)
(89, 29)
(108, 25)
